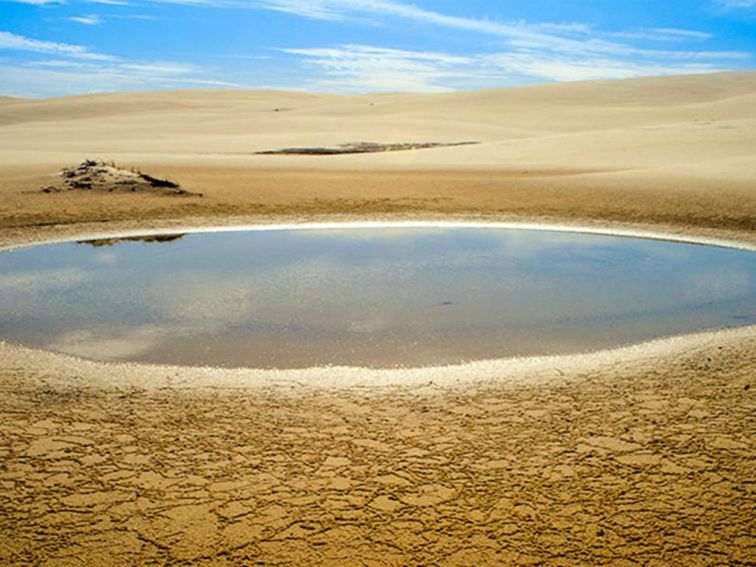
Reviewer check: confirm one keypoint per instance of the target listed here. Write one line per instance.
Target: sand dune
(674, 150)
(639, 123)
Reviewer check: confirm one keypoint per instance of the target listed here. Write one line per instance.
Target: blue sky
(62, 47)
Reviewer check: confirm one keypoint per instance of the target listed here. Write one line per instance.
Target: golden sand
(642, 455)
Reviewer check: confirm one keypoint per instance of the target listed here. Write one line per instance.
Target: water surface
(369, 297)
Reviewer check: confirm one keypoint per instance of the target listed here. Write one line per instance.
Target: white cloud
(64, 77)
(16, 42)
(76, 70)
(361, 68)
(96, 20)
(364, 67)
(87, 20)
(543, 50)
(517, 52)
(664, 34)
(683, 34)
(314, 9)
(161, 68)
(556, 51)
(554, 36)
(559, 38)
(56, 63)
(574, 27)
(567, 68)
(599, 47)
(38, 2)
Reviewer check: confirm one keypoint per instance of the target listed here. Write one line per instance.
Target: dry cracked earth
(654, 466)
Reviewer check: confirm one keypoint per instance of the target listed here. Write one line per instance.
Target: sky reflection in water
(367, 297)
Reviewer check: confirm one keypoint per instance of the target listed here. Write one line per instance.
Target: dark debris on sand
(362, 148)
(152, 239)
(102, 177)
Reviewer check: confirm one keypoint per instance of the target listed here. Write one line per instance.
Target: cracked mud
(653, 466)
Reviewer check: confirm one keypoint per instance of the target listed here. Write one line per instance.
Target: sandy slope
(620, 125)
(643, 456)
(676, 151)
(602, 125)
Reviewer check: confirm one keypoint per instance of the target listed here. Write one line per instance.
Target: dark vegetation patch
(100, 242)
(102, 177)
(363, 148)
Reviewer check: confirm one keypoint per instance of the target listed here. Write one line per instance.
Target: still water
(365, 296)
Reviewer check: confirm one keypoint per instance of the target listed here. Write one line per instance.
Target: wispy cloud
(364, 67)
(96, 20)
(341, 9)
(16, 42)
(664, 34)
(74, 69)
(161, 68)
(546, 50)
(38, 2)
(91, 20)
(558, 36)
(359, 68)
(498, 52)
(551, 51)
(66, 77)
(315, 9)
(552, 37)
(565, 68)
(573, 27)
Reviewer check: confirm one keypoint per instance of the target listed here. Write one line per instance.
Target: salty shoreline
(148, 376)
(64, 370)
(650, 232)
